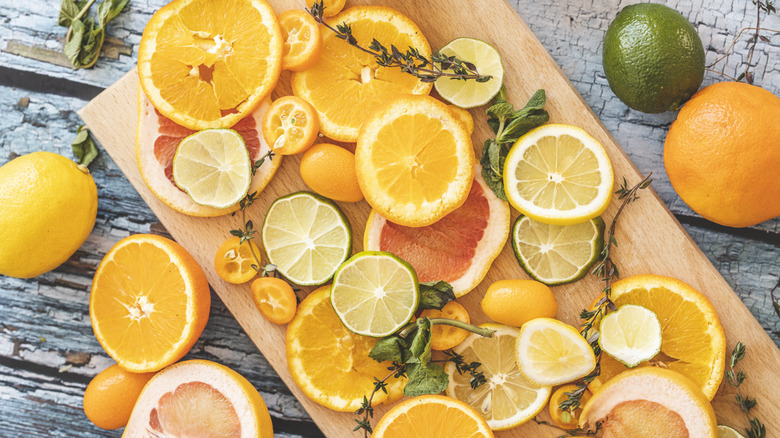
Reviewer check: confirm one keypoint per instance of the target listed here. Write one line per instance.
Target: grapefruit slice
(459, 248)
(199, 398)
(157, 139)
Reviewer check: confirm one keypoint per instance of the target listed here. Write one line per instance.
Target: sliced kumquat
(234, 259)
(275, 299)
(302, 40)
(444, 337)
(330, 7)
(290, 125)
(566, 419)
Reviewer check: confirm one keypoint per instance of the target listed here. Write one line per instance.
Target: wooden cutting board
(651, 240)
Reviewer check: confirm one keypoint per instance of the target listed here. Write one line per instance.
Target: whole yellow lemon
(49, 205)
(515, 302)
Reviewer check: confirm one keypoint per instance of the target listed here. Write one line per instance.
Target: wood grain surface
(651, 240)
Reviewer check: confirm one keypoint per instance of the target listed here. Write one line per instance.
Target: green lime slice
(728, 432)
(632, 335)
(375, 293)
(557, 254)
(470, 93)
(307, 237)
(213, 167)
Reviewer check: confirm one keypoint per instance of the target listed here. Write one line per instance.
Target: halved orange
(347, 84)
(414, 161)
(149, 302)
(432, 416)
(290, 126)
(208, 64)
(302, 40)
(199, 398)
(694, 343)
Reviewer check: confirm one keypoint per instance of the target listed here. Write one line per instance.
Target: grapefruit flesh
(216, 416)
(458, 248)
(157, 139)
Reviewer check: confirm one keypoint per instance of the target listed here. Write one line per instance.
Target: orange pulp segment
(207, 64)
(347, 84)
(302, 40)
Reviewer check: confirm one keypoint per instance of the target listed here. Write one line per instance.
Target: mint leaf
(435, 295)
(536, 101)
(391, 349)
(84, 147)
(69, 9)
(420, 348)
(525, 121)
(493, 167)
(116, 7)
(73, 47)
(429, 378)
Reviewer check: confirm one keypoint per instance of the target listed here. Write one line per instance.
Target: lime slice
(470, 93)
(558, 174)
(557, 254)
(549, 352)
(213, 167)
(307, 237)
(375, 293)
(632, 335)
(508, 399)
(728, 432)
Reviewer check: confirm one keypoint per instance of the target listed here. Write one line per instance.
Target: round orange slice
(458, 249)
(694, 343)
(302, 40)
(346, 84)
(199, 398)
(414, 161)
(206, 64)
(149, 302)
(158, 137)
(290, 125)
(432, 416)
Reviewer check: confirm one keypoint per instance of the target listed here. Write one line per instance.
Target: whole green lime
(653, 58)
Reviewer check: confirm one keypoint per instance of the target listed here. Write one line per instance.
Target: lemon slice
(307, 237)
(470, 93)
(508, 399)
(213, 167)
(728, 432)
(549, 352)
(631, 335)
(558, 174)
(375, 293)
(557, 254)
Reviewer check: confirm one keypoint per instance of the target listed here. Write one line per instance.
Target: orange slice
(347, 84)
(290, 125)
(693, 340)
(414, 161)
(207, 64)
(331, 7)
(330, 363)
(158, 137)
(458, 249)
(432, 416)
(302, 40)
(149, 302)
(199, 398)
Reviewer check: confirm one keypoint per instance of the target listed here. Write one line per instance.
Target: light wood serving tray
(651, 240)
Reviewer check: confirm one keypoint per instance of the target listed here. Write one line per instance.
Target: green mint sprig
(85, 36)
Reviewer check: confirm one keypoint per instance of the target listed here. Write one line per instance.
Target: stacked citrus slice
(347, 84)
(207, 64)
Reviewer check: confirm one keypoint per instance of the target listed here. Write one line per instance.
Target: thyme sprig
(477, 377)
(412, 62)
(736, 378)
(762, 6)
(570, 432)
(607, 271)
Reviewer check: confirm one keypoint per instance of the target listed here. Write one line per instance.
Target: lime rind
(213, 167)
(307, 237)
(631, 335)
(375, 293)
(534, 244)
(470, 93)
(728, 432)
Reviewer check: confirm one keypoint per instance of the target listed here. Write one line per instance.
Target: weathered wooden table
(48, 353)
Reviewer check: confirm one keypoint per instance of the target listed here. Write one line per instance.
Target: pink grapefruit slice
(459, 248)
(199, 398)
(157, 138)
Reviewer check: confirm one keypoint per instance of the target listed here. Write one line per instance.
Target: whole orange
(723, 151)
(110, 396)
(329, 170)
